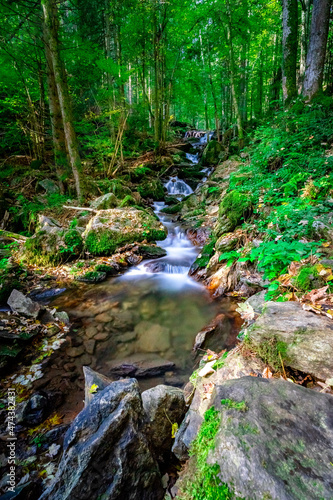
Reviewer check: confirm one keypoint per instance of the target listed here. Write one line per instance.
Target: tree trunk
(315, 59)
(305, 16)
(58, 135)
(289, 45)
(50, 13)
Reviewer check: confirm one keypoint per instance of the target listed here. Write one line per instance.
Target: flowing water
(148, 317)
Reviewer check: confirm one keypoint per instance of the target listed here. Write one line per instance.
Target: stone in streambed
(75, 352)
(90, 345)
(21, 304)
(152, 337)
(104, 317)
(151, 252)
(126, 337)
(106, 455)
(140, 365)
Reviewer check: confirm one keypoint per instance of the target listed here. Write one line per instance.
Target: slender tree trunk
(305, 16)
(315, 59)
(50, 13)
(58, 134)
(233, 80)
(289, 45)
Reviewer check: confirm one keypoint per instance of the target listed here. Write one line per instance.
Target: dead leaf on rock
(267, 373)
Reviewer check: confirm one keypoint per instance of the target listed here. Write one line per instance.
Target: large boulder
(211, 154)
(235, 366)
(303, 339)
(111, 229)
(108, 200)
(105, 454)
(273, 440)
(164, 406)
(52, 242)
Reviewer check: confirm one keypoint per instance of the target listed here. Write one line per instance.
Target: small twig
(284, 371)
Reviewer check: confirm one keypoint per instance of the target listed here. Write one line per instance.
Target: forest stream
(147, 317)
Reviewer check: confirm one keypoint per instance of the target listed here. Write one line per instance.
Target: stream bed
(143, 323)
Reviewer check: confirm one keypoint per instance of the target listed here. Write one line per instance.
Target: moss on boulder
(235, 206)
(111, 229)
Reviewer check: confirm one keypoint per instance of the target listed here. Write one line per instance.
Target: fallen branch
(84, 209)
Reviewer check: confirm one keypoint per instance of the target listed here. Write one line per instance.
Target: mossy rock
(52, 245)
(104, 202)
(152, 189)
(151, 252)
(173, 209)
(211, 153)
(112, 229)
(236, 207)
(309, 278)
(92, 277)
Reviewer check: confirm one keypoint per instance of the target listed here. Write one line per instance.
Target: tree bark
(50, 13)
(315, 59)
(289, 45)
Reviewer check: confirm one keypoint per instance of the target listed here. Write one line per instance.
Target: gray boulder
(104, 202)
(105, 453)
(306, 338)
(21, 304)
(280, 447)
(164, 406)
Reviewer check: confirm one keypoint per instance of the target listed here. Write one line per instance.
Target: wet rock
(90, 331)
(111, 229)
(134, 260)
(274, 449)
(33, 411)
(104, 202)
(104, 317)
(92, 277)
(126, 337)
(151, 252)
(21, 304)
(90, 345)
(101, 336)
(162, 404)
(105, 453)
(75, 352)
(152, 337)
(31, 490)
(140, 365)
(217, 325)
(306, 340)
(94, 384)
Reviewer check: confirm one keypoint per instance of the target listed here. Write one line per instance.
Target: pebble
(101, 336)
(75, 352)
(103, 318)
(90, 346)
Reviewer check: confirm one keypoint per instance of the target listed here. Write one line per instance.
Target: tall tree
(317, 48)
(51, 21)
(289, 44)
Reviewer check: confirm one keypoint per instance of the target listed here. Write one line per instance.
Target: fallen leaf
(267, 373)
(246, 311)
(207, 369)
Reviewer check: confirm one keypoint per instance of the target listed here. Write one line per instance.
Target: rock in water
(21, 304)
(164, 406)
(105, 453)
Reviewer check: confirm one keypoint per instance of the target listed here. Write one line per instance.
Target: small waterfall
(177, 187)
(193, 158)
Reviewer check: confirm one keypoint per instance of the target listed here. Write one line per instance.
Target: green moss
(205, 255)
(236, 206)
(152, 189)
(241, 406)
(308, 278)
(139, 172)
(107, 241)
(173, 209)
(128, 201)
(205, 484)
(270, 350)
(74, 242)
